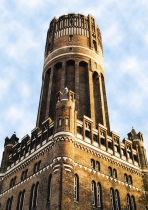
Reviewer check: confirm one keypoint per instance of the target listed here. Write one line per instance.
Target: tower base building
(71, 160)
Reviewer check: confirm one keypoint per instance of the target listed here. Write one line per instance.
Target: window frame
(76, 187)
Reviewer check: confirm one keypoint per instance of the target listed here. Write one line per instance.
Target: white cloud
(112, 35)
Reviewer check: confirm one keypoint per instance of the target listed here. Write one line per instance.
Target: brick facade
(72, 160)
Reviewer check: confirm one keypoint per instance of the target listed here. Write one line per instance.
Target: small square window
(70, 38)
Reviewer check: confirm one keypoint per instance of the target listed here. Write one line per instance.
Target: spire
(133, 134)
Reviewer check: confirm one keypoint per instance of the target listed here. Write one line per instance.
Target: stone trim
(69, 168)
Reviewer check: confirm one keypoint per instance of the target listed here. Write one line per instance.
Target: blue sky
(124, 27)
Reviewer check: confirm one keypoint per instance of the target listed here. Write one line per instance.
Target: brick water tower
(72, 160)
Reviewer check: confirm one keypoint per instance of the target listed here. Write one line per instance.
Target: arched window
(38, 165)
(125, 178)
(34, 196)
(49, 189)
(9, 203)
(114, 173)
(133, 204)
(93, 189)
(128, 202)
(76, 187)
(130, 179)
(99, 195)
(110, 171)
(117, 200)
(24, 175)
(20, 200)
(93, 163)
(35, 168)
(97, 165)
(95, 45)
(112, 200)
(11, 183)
(14, 181)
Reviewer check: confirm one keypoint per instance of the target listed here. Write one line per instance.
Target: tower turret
(9, 143)
(137, 139)
(65, 112)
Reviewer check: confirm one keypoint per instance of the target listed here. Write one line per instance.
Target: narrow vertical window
(11, 183)
(114, 173)
(110, 171)
(35, 195)
(35, 168)
(133, 204)
(38, 165)
(70, 38)
(60, 122)
(93, 163)
(99, 195)
(97, 165)
(93, 188)
(14, 181)
(32, 197)
(22, 200)
(26, 173)
(130, 179)
(49, 189)
(22, 176)
(66, 121)
(9, 203)
(19, 199)
(128, 202)
(117, 200)
(112, 199)
(125, 178)
(76, 187)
